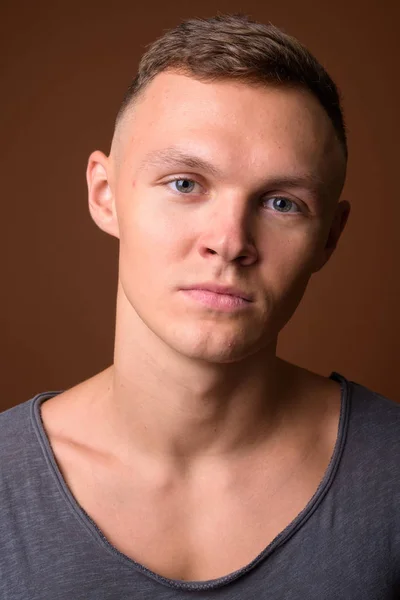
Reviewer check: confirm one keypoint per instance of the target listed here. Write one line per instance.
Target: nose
(226, 232)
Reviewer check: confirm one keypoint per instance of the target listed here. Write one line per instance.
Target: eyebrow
(174, 157)
(309, 181)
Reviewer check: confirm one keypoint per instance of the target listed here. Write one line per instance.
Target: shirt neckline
(210, 584)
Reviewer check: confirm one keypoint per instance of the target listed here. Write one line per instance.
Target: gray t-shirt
(345, 544)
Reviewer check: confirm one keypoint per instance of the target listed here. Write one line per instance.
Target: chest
(191, 532)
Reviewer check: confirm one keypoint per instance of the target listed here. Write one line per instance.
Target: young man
(200, 465)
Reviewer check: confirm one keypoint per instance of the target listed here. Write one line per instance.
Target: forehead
(236, 124)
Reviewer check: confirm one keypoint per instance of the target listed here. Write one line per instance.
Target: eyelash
(277, 197)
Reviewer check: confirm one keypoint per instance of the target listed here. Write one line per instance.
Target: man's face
(223, 183)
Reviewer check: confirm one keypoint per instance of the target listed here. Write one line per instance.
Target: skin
(221, 232)
(196, 401)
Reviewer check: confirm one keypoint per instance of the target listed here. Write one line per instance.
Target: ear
(100, 196)
(340, 218)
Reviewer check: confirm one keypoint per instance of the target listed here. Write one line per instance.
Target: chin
(216, 346)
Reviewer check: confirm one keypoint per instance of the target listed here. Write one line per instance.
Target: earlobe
(100, 195)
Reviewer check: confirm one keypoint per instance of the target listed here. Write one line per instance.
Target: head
(227, 165)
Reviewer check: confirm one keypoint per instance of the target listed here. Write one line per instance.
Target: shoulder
(22, 459)
(371, 411)
(14, 422)
(18, 432)
(58, 409)
(371, 433)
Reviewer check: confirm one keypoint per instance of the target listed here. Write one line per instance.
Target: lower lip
(222, 302)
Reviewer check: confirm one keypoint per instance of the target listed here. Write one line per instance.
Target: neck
(163, 403)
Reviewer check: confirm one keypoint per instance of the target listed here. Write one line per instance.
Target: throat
(186, 426)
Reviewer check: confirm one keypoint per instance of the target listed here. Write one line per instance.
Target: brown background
(64, 69)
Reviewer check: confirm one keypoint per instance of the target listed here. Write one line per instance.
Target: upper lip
(221, 289)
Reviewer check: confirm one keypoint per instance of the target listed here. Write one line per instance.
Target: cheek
(148, 229)
(288, 251)
(285, 270)
(155, 240)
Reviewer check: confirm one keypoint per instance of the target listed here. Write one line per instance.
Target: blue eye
(184, 186)
(283, 205)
